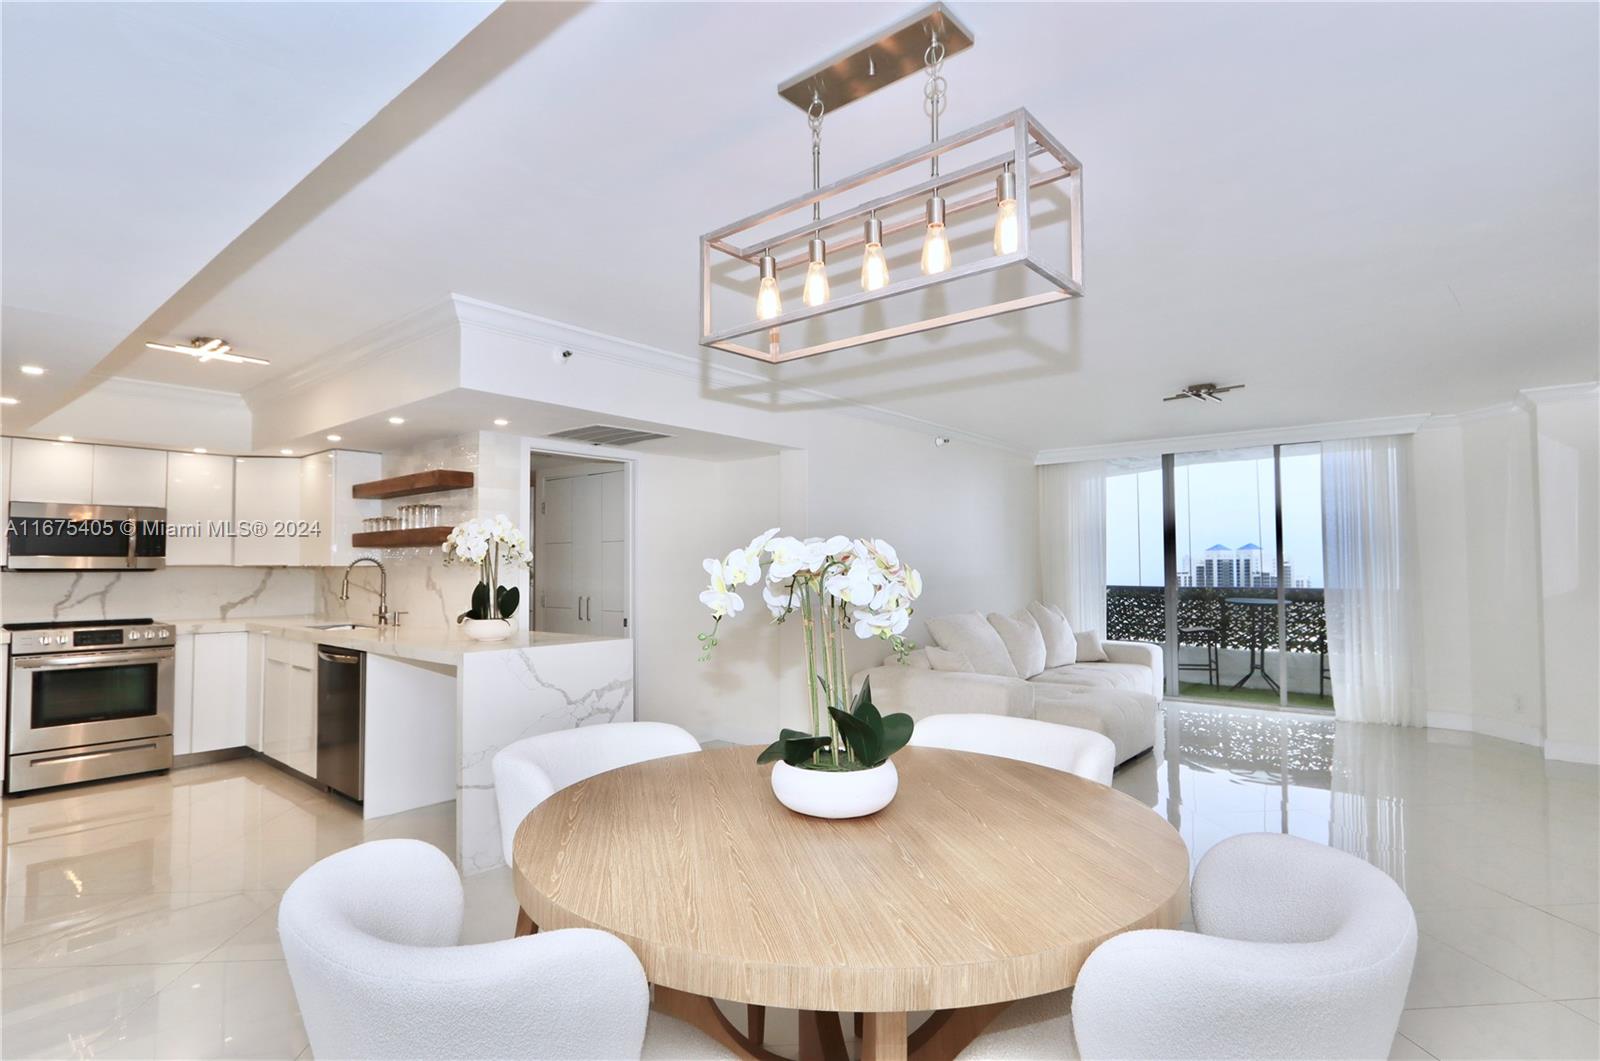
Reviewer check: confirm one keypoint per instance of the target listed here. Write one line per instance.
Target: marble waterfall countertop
(427, 644)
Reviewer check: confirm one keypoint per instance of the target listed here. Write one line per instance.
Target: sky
(1220, 502)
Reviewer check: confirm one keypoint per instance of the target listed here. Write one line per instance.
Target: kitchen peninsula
(438, 706)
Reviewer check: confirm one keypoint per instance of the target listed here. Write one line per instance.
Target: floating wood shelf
(433, 482)
(400, 539)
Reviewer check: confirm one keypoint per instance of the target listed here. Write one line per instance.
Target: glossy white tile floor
(140, 916)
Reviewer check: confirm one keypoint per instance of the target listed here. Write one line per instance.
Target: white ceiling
(1357, 210)
(141, 138)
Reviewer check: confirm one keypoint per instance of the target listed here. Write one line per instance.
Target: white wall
(1505, 505)
(1567, 433)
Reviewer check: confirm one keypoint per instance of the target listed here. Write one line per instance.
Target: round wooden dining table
(986, 880)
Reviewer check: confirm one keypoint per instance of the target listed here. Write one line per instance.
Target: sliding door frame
(1169, 539)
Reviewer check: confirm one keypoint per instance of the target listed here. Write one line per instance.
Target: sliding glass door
(1236, 597)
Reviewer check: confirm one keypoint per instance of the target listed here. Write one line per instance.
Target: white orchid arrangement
(835, 584)
(488, 543)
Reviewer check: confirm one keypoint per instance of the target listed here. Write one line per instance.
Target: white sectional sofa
(1032, 665)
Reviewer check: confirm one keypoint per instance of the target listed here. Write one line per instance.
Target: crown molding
(503, 320)
(380, 341)
(1267, 436)
(1563, 392)
(129, 387)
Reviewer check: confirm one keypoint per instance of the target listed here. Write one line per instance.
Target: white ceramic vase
(489, 629)
(835, 793)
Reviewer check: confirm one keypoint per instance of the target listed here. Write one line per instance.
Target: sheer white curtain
(1072, 541)
(1369, 566)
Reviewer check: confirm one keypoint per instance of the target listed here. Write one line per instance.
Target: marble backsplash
(171, 593)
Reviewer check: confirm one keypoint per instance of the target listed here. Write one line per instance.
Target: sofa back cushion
(1024, 643)
(970, 635)
(1060, 645)
(945, 660)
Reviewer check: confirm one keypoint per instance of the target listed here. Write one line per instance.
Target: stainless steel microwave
(55, 537)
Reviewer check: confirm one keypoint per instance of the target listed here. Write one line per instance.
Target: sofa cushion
(1060, 644)
(1134, 676)
(971, 635)
(1091, 647)
(1127, 717)
(942, 659)
(1023, 640)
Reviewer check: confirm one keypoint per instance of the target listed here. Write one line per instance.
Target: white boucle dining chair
(1067, 748)
(535, 768)
(370, 938)
(1301, 951)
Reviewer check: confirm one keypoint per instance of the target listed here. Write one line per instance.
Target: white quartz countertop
(428, 644)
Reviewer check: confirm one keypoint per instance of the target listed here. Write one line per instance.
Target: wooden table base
(883, 1035)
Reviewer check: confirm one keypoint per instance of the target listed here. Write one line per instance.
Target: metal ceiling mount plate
(871, 64)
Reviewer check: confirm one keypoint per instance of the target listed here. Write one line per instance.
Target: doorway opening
(582, 517)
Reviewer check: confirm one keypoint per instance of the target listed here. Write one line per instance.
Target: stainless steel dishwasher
(341, 705)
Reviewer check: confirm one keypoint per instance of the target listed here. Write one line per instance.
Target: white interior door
(553, 558)
(581, 552)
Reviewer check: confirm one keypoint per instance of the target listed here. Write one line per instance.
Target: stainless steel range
(88, 700)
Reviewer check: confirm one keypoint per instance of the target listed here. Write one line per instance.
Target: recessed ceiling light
(335, 438)
(32, 370)
(199, 449)
(64, 438)
(397, 419)
(501, 423)
(287, 452)
(8, 401)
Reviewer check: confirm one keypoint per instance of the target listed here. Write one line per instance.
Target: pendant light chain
(933, 94)
(815, 292)
(935, 243)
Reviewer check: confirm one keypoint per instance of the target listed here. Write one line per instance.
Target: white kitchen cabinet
(581, 576)
(199, 506)
(125, 476)
(266, 501)
(289, 704)
(328, 507)
(220, 688)
(182, 693)
(61, 472)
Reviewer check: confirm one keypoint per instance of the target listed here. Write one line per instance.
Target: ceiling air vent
(606, 435)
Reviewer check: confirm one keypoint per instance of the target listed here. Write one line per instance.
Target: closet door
(586, 550)
(558, 593)
(612, 599)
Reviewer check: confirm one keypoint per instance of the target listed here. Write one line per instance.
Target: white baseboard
(1487, 726)
(1567, 752)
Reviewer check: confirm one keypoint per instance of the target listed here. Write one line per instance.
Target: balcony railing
(1138, 613)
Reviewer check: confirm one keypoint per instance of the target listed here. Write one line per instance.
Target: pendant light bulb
(874, 266)
(816, 289)
(1005, 214)
(769, 303)
(936, 244)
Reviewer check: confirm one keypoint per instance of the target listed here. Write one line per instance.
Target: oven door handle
(92, 659)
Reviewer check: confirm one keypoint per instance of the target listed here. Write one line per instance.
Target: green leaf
(859, 736)
(865, 694)
(896, 729)
(509, 597)
(793, 747)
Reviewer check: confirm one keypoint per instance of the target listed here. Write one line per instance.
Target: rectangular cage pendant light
(1007, 192)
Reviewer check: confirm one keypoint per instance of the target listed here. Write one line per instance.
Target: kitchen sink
(341, 626)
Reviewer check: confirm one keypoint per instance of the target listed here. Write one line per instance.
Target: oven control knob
(166, 633)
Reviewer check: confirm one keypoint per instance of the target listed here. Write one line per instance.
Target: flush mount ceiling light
(207, 349)
(1203, 392)
(8, 401)
(397, 420)
(31, 370)
(986, 192)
